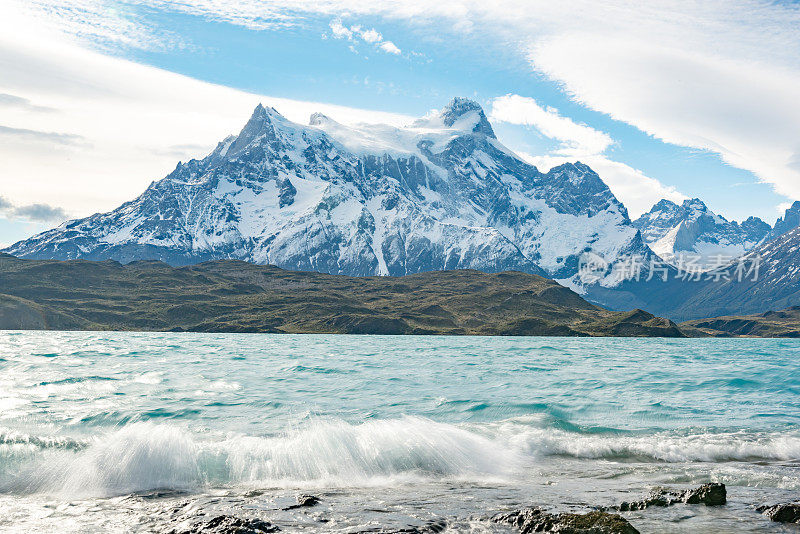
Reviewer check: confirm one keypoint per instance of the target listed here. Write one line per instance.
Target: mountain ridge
(439, 194)
(772, 283)
(692, 232)
(442, 193)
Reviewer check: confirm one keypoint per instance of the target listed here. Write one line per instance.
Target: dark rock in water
(228, 524)
(307, 500)
(158, 494)
(713, 494)
(782, 513)
(431, 527)
(537, 520)
(434, 526)
(304, 501)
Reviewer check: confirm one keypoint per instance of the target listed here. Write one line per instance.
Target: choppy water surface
(136, 432)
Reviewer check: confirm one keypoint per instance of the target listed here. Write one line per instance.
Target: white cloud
(339, 30)
(719, 75)
(88, 131)
(747, 112)
(576, 138)
(782, 207)
(371, 36)
(578, 141)
(390, 47)
(356, 32)
(102, 23)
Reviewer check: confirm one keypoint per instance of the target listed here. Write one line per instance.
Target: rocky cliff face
(442, 193)
(789, 221)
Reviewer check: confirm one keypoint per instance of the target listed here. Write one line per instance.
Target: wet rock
(228, 524)
(537, 520)
(782, 513)
(713, 494)
(434, 526)
(304, 501)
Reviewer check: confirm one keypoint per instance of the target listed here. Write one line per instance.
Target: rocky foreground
(524, 520)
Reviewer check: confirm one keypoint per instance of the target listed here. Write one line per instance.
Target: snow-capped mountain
(789, 221)
(769, 279)
(691, 233)
(442, 193)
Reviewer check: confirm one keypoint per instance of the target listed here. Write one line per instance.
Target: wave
(331, 453)
(670, 447)
(10, 438)
(144, 456)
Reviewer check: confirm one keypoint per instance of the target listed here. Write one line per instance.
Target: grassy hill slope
(233, 296)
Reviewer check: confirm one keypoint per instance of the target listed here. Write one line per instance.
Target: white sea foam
(333, 453)
(662, 446)
(150, 378)
(144, 456)
(136, 457)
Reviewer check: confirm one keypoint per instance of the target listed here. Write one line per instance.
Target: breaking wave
(144, 456)
(670, 447)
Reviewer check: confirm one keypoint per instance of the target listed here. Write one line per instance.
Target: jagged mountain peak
(260, 125)
(691, 232)
(695, 204)
(580, 169)
(457, 108)
(663, 206)
(789, 221)
(366, 199)
(460, 114)
(263, 115)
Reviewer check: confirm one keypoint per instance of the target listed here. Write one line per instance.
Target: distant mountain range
(440, 194)
(775, 286)
(692, 232)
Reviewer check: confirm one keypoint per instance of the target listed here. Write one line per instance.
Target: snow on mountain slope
(442, 193)
(771, 282)
(693, 234)
(789, 221)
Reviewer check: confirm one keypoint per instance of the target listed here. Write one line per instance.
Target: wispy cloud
(37, 212)
(575, 138)
(106, 24)
(579, 141)
(356, 33)
(720, 75)
(39, 136)
(17, 102)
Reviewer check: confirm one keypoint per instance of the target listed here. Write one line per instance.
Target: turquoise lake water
(135, 432)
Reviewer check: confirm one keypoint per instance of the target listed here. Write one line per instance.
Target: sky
(664, 99)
